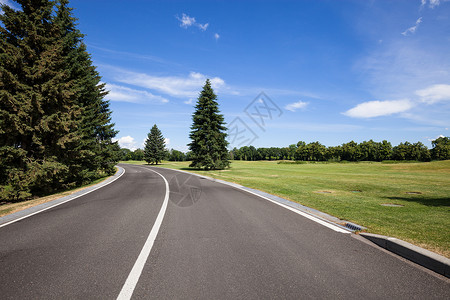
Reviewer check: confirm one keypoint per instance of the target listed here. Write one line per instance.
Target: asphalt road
(214, 242)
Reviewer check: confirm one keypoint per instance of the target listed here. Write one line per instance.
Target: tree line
(55, 126)
(169, 154)
(351, 151)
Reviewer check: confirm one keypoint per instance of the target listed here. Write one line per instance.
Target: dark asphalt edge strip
(290, 204)
(28, 212)
(418, 255)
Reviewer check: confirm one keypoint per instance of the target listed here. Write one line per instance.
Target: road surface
(198, 239)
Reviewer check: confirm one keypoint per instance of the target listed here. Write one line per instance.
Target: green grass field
(356, 192)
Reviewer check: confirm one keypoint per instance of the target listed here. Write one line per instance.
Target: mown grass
(357, 192)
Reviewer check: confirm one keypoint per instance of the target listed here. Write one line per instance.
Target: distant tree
(175, 155)
(208, 133)
(384, 150)
(315, 152)
(284, 153)
(441, 148)
(252, 153)
(235, 154)
(407, 151)
(300, 153)
(334, 153)
(125, 154)
(154, 151)
(138, 154)
(349, 151)
(292, 149)
(402, 151)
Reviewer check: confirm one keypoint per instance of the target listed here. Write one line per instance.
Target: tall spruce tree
(208, 133)
(154, 151)
(55, 127)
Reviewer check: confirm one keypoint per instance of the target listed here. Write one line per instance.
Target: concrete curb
(17, 216)
(423, 257)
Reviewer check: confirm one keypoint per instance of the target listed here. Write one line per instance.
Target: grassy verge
(9, 208)
(355, 192)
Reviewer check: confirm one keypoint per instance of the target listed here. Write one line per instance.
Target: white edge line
(306, 215)
(136, 271)
(317, 220)
(47, 208)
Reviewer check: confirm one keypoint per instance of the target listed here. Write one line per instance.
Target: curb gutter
(423, 257)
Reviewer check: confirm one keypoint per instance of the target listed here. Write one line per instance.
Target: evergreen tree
(208, 133)
(55, 127)
(441, 148)
(154, 151)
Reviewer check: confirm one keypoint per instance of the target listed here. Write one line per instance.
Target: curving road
(196, 240)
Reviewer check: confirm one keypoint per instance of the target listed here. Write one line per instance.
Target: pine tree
(154, 151)
(208, 133)
(55, 127)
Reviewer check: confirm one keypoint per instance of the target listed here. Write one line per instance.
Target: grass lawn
(357, 191)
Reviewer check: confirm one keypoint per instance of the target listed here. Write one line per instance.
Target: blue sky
(330, 71)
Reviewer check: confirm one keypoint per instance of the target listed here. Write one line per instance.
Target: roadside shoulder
(17, 216)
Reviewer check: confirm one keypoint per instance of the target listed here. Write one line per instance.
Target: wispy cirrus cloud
(435, 93)
(373, 109)
(412, 29)
(187, 21)
(126, 94)
(432, 3)
(176, 86)
(296, 105)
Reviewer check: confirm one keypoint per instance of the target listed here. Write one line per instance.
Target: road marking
(133, 277)
(70, 199)
(317, 220)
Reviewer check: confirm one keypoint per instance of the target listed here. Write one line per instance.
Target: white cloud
(413, 29)
(190, 101)
(203, 27)
(216, 36)
(125, 94)
(166, 142)
(440, 136)
(296, 105)
(177, 86)
(127, 142)
(435, 93)
(433, 3)
(372, 109)
(186, 21)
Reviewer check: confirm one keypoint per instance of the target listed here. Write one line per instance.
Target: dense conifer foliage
(55, 129)
(154, 151)
(208, 133)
